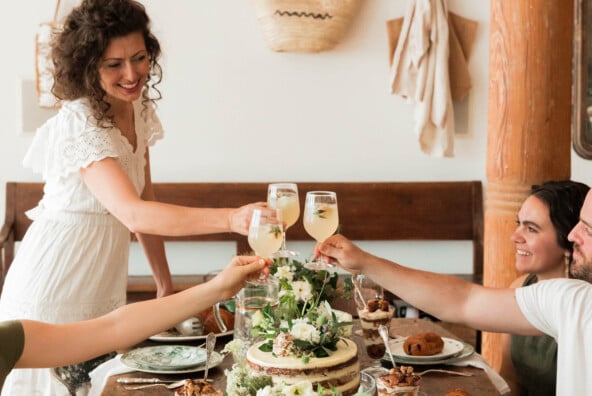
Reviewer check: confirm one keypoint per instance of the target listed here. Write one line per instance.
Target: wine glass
(373, 311)
(265, 238)
(283, 197)
(265, 233)
(320, 221)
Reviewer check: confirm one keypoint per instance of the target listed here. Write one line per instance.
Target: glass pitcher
(253, 297)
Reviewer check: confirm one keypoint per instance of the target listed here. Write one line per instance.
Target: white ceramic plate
(215, 359)
(165, 357)
(174, 336)
(451, 348)
(467, 351)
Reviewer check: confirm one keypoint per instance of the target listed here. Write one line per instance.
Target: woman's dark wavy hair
(564, 199)
(78, 50)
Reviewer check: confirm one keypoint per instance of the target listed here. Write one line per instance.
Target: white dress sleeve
(152, 126)
(68, 142)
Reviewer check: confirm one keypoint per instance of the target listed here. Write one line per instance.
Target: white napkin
(476, 360)
(100, 375)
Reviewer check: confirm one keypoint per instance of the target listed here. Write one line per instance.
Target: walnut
(372, 305)
(197, 388)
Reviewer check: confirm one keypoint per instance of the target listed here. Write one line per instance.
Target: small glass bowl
(367, 384)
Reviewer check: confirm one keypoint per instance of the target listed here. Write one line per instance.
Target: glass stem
(284, 240)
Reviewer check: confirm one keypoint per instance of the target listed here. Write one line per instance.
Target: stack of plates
(169, 359)
(173, 335)
(453, 351)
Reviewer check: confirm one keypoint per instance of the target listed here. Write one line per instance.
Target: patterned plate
(174, 336)
(215, 360)
(165, 357)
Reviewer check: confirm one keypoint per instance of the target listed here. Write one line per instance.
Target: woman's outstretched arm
(52, 345)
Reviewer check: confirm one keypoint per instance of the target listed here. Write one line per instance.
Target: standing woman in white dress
(93, 156)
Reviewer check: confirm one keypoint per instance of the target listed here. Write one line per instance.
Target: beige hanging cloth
(420, 72)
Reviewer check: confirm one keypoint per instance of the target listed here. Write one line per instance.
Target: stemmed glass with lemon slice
(320, 220)
(283, 197)
(265, 233)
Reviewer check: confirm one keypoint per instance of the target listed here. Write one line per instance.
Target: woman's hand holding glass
(265, 233)
(283, 197)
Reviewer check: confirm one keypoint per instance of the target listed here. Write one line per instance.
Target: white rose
(302, 290)
(283, 272)
(267, 391)
(342, 317)
(257, 318)
(300, 389)
(305, 331)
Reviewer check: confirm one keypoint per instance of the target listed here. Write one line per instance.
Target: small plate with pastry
(423, 347)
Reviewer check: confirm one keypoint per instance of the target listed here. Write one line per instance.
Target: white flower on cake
(303, 330)
(257, 319)
(284, 272)
(302, 291)
(300, 389)
(342, 317)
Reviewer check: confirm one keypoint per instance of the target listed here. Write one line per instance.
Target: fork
(190, 327)
(168, 386)
(445, 372)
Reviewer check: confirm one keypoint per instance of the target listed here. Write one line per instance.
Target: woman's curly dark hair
(564, 199)
(77, 51)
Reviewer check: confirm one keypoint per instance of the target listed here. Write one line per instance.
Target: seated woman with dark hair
(529, 363)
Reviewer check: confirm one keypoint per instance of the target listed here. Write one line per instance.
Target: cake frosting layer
(340, 370)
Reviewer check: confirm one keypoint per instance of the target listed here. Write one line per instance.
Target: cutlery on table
(190, 327)
(383, 331)
(210, 343)
(445, 372)
(168, 386)
(143, 381)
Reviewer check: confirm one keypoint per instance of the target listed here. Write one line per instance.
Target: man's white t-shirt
(562, 308)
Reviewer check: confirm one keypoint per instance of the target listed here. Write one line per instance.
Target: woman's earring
(567, 262)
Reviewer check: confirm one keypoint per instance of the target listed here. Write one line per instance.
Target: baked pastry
(197, 388)
(457, 392)
(423, 344)
(400, 381)
(209, 321)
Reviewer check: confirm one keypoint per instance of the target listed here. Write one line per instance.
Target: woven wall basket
(304, 25)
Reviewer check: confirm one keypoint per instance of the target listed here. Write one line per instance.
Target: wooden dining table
(433, 384)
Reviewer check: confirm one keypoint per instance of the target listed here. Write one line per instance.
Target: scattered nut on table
(197, 388)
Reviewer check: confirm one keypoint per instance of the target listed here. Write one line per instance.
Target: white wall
(236, 111)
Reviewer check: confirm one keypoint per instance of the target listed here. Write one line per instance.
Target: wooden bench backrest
(383, 211)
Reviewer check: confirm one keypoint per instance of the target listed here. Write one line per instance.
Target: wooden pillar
(529, 115)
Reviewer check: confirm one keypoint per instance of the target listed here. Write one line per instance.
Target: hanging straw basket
(304, 25)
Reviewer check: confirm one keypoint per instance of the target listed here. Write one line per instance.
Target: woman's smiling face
(124, 68)
(537, 249)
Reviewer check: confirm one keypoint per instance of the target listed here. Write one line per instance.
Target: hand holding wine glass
(265, 234)
(283, 197)
(321, 219)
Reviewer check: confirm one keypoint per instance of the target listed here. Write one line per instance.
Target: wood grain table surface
(433, 384)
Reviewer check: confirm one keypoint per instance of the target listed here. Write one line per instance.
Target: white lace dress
(72, 264)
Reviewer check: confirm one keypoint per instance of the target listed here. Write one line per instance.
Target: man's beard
(580, 268)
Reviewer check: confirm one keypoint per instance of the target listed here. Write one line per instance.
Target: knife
(143, 381)
(147, 381)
